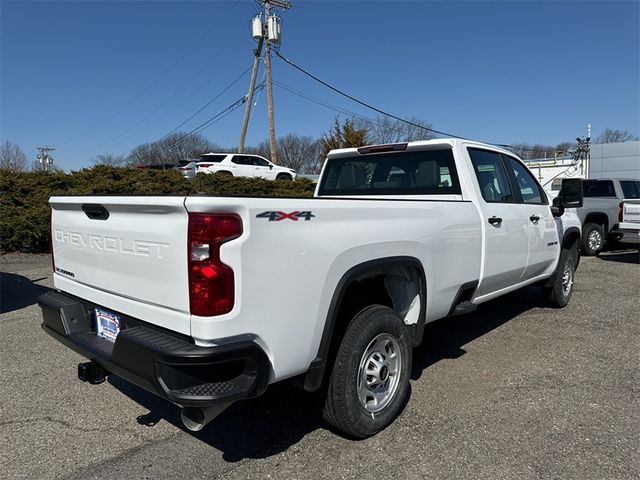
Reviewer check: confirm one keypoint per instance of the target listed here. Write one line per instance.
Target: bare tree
(301, 153)
(263, 149)
(171, 149)
(12, 157)
(384, 129)
(110, 160)
(537, 151)
(610, 135)
(298, 152)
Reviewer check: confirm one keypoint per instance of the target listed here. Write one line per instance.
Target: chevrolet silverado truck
(601, 212)
(207, 300)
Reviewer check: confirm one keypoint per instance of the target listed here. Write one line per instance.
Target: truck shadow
(621, 256)
(257, 428)
(18, 292)
(444, 338)
(270, 424)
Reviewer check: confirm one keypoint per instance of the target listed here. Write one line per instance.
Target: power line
(322, 103)
(212, 100)
(118, 137)
(371, 107)
(154, 82)
(113, 140)
(211, 121)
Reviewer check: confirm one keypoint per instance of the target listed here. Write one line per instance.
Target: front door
(543, 234)
(262, 168)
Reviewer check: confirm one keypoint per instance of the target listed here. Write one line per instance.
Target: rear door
(243, 166)
(506, 228)
(126, 252)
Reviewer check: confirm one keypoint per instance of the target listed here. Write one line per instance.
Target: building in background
(608, 160)
(615, 160)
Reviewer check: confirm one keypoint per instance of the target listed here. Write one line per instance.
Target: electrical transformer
(256, 28)
(273, 28)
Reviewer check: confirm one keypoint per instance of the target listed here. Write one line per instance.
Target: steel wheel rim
(567, 279)
(379, 372)
(595, 240)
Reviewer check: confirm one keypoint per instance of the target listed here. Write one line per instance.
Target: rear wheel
(558, 294)
(369, 382)
(592, 239)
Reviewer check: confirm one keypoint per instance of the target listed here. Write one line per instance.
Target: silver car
(187, 168)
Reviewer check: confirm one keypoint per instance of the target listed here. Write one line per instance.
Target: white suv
(243, 165)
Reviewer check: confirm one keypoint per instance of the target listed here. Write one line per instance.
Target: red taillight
(621, 212)
(211, 282)
(204, 165)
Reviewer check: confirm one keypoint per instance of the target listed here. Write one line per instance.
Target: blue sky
(90, 77)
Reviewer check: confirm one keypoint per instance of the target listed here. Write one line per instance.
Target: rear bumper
(626, 235)
(166, 364)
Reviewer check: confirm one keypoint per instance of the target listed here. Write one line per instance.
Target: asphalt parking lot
(512, 391)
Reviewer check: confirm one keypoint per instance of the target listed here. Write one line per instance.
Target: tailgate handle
(95, 211)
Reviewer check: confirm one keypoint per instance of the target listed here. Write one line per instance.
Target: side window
(259, 162)
(491, 175)
(530, 190)
(598, 188)
(212, 158)
(241, 160)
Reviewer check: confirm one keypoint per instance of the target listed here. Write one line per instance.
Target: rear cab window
(414, 172)
(630, 188)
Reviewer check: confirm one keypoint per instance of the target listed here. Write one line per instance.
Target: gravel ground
(512, 391)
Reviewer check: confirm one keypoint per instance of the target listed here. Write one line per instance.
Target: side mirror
(557, 209)
(271, 166)
(570, 196)
(571, 193)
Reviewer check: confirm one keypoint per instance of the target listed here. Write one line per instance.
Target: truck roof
(420, 144)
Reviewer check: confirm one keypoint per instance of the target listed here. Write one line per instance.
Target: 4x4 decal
(277, 216)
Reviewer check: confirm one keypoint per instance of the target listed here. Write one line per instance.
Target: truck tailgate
(125, 253)
(631, 212)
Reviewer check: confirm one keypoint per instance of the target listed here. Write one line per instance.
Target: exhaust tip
(195, 419)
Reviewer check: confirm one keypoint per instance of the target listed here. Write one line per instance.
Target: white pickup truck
(629, 218)
(207, 300)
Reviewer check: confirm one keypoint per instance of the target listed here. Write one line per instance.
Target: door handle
(534, 218)
(495, 220)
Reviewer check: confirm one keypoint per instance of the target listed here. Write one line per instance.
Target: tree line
(303, 153)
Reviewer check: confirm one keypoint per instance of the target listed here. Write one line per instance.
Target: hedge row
(24, 210)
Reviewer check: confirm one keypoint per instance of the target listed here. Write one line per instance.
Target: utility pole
(257, 52)
(270, 113)
(267, 31)
(44, 158)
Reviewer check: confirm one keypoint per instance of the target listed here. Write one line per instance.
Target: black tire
(592, 239)
(224, 174)
(284, 176)
(558, 293)
(343, 408)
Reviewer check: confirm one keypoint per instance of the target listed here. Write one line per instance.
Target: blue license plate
(107, 324)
